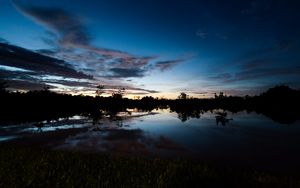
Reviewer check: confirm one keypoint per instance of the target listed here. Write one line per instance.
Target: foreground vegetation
(21, 167)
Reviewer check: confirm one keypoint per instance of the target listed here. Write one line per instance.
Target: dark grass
(21, 167)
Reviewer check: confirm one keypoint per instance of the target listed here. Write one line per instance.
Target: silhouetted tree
(119, 94)
(3, 86)
(220, 96)
(183, 96)
(46, 89)
(100, 90)
(278, 103)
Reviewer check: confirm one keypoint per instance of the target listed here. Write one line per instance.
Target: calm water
(243, 137)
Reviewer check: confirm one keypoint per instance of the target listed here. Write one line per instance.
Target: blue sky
(158, 48)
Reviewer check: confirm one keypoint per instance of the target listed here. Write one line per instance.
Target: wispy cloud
(255, 7)
(277, 63)
(202, 34)
(256, 72)
(74, 55)
(68, 28)
(2, 40)
(14, 56)
(221, 76)
(27, 70)
(165, 65)
(73, 44)
(123, 72)
(265, 73)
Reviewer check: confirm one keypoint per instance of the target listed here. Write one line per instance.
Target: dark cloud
(165, 65)
(127, 73)
(131, 62)
(256, 63)
(27, 85)
(21, 58)
(266, 72)
(222, 76)
(73, 55)
(281, 47)
(142, 91)
(201, 92)
(278, 62)
(255, 8)
(258, 74)
(202, 34)
(27, 70)
(69, 28)
(2, 40)
(128, 89)
(7, 75)
(73, 44)
(46, 52)
(18, 80)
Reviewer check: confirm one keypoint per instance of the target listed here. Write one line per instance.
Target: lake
(217, 136)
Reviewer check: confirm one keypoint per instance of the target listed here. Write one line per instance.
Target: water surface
(247, 138)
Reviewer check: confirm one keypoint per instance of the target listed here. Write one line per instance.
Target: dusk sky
(150, 47)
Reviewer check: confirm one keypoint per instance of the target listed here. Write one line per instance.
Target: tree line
(280, 103)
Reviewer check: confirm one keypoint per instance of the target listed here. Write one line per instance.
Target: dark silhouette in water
(221, 117)
(279, 103)
(184, 115)
(39, 125)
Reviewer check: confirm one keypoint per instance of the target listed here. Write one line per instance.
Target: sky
(150, 47)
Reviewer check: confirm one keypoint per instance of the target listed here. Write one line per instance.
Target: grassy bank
(32, 168)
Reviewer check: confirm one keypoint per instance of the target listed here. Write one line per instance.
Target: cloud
(222, 76)
(2, 40)
(18, 80)
(18, 57)
(266, 72)
(258, 74)
(27, 70)
(281, 48)
(202, 34)
(277, 63)
(15, 75)
(69, 28)
(165, 65)
(129, 89)
(73, 55)
(126, 73)
(68, 35)
(255, 8)
(140, 91)
(26, 85)
(256, 63)
(261, 67)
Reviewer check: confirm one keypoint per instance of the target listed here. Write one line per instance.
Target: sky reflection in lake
(246, 137)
